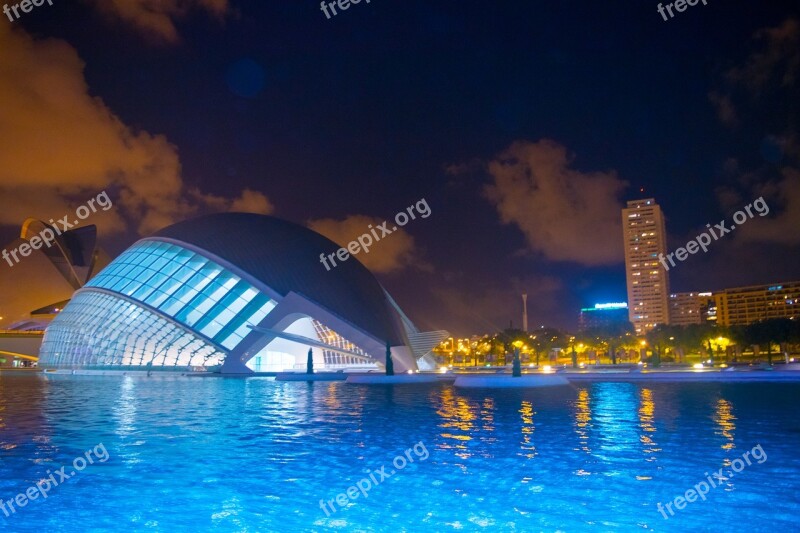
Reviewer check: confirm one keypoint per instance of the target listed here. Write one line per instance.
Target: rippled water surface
(217, 454)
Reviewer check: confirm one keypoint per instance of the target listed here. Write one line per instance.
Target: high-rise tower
(644, 237)
(525, 313)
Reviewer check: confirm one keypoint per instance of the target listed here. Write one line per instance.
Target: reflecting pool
(228, 454)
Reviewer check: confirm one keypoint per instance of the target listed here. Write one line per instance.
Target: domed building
(234, 293)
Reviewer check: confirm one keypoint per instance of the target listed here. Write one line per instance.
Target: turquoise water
(215, 454)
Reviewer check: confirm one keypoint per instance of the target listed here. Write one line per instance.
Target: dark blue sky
(364, 113)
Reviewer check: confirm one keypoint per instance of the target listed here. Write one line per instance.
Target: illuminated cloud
(250, 201)
(726, 112)
(156, 18)
(391, 253)
(489, 307)
(565, 214)
(778, 59)
(62, 146)
(781, 225)
(769, 74)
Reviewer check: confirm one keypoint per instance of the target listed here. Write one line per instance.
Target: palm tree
(610, 337)
(547, 339)
(777, 330)
(660, 338)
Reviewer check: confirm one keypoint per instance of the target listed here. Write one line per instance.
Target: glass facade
(205, 302)
(335, 359)
(101, 331)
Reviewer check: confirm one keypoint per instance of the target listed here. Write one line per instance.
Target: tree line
(665, 343)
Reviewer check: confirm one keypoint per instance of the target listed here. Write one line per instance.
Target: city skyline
(525, 158)
(537, 264)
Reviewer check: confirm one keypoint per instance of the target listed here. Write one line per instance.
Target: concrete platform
(526, 381)
(398, 379)
(316, 376)
(688, 376)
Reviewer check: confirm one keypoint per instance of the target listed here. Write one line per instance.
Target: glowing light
(547, 368)
(410, 371)
(612, 305)
(698, 365)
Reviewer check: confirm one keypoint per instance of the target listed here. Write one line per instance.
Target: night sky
(524, 125)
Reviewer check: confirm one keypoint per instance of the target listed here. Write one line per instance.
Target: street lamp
(721, 343)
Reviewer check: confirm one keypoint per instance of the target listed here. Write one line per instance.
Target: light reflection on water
(727, 423)
(646, 417)
(214, 454)
(583, 419)
(527, 446)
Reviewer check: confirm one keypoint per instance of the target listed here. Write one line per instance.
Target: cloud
(62, 146)
(250, 201)
(769, 74)
(488, 308)
(458, 169)
(565, 214)
(779, 57)
(156, 18)
(781, 225)
(393, 252)
(726, 112)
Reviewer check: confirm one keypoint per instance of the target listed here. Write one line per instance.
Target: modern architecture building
(745, 305)
(644, 236)
(686, 308)
(233, 293)
(36, 281)
(602, 316)
(37, 285)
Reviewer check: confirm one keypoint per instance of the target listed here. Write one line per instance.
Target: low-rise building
(745, 305)
(686, 308)
(602, 315)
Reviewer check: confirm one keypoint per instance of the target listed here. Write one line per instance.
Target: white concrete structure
(234, 293)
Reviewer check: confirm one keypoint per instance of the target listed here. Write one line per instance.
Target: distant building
(745, 305)
(644, 237)
(686, 308)
(602, 316)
